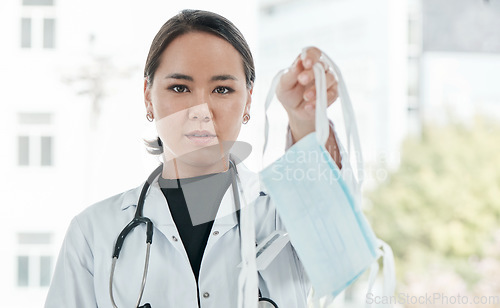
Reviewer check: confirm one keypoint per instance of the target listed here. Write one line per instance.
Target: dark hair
(192, 21)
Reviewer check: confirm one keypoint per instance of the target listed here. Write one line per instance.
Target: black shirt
(194, 203)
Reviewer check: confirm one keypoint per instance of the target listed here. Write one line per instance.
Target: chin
(204, 157)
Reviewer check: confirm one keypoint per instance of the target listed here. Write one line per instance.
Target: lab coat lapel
(163, 218)
(225, 219)
(156, 208)
(226, 216)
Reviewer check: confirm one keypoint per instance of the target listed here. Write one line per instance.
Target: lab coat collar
(156, 206)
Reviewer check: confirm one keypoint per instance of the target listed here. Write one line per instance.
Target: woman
(198, 83)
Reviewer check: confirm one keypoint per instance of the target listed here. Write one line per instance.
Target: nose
(200, 112)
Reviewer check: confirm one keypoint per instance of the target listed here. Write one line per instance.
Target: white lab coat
(83, 268)
(82, 272)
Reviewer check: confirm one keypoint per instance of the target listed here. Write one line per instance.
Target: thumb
(289, 78)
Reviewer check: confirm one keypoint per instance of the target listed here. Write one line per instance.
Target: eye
(223, 90)
(179, 88)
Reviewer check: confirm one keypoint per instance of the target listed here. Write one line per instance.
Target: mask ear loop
(389, 270)
(269, 99)
(248, 278)
(321, 99)
(373, 276)
(351, 128)
(321, 125)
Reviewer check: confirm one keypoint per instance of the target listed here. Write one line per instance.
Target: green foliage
(442, 206)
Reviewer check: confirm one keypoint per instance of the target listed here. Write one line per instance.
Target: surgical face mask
(321, 212)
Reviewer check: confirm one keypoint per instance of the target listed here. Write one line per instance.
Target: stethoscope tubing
(136, 221)
(140, 219)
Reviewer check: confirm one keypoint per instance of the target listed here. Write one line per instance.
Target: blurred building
(459, 66)
(38, 157)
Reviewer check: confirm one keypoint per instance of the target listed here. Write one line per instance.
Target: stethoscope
(140, 219)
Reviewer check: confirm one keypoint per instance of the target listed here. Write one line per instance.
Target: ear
(249, 100)
(147, 96)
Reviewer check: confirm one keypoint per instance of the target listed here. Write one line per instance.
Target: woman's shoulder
(109, 211)
(119, 201)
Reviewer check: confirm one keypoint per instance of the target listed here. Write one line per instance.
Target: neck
(175, 169)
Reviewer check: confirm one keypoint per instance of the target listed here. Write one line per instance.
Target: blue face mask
(320, 210)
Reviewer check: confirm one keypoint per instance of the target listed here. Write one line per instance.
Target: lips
(201, 137)
(200, 133)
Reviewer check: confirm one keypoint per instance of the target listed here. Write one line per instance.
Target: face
(198, 98)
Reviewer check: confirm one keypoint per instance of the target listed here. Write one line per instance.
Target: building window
(25, 32)
(34, 262)
(38, 2)
(46, 151)
(49, 33)
(23, 150)
(34, 271)
(22, 271)
(45, 270)
(35, 118)
(38, 24)
(35, 140)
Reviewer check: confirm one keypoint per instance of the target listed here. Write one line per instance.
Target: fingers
(301, 70)
(296, 89)
(289, 79)
(331, 86)
(306, 77)
(309, 56)
(332, 95)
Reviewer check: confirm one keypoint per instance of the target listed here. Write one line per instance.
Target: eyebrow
(223, 77)
(189, 78)
(179, 76)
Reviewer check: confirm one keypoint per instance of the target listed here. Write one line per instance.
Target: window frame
(36, 133)
(34, 253)
(38, 14)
